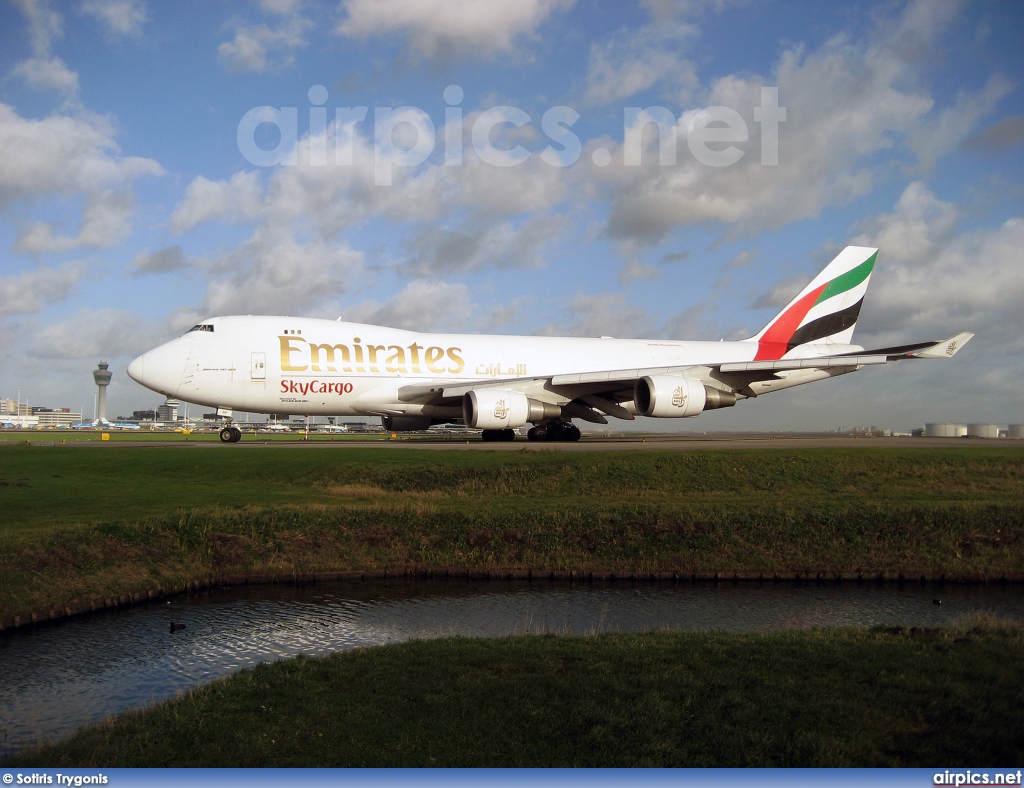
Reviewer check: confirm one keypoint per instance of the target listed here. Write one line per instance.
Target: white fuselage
(312, 367)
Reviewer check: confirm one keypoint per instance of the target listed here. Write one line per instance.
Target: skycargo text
(315, 387)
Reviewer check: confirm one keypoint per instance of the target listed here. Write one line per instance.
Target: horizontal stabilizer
(944, 349)
(947, 348)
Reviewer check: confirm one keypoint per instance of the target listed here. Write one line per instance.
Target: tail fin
(824, 311)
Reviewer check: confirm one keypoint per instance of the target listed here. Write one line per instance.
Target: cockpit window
(201, 327)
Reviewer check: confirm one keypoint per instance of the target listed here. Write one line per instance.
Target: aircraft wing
(592, 395)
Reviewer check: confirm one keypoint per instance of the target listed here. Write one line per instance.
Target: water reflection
(56, 677)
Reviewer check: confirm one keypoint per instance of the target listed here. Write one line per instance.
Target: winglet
(946, 348)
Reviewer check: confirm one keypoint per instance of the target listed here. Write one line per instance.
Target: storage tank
(960, 430)
(983, 430)
(938, 430)
(1015, 431)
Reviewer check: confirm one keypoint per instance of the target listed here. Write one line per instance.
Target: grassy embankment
(818, 698)
(79, 526)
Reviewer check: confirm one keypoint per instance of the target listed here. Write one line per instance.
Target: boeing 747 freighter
(292, 365)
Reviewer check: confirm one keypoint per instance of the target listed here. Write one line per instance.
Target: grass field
(81, 524)
(813, 698)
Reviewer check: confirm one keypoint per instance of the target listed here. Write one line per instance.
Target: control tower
(102, 376)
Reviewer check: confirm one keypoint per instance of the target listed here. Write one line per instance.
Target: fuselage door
(259, 366)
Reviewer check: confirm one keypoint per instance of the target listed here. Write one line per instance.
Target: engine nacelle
(491, 409)
(408, 423)
(669, 396)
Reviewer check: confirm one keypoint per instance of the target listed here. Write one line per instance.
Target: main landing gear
(555, 431)
(499, 435)
(230, 435)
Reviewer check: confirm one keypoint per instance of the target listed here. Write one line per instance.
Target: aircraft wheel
(537, 434)
(491, 435)
(227, 435)
(236, 435)
(571, 433)
(508, 435)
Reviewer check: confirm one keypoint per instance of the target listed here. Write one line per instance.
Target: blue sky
(128, 209)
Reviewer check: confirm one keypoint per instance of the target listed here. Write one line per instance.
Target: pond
(55, 677)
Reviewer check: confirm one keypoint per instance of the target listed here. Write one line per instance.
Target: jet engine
(671, 396)
(494, 409)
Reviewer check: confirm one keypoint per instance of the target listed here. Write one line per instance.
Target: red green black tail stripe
(785, 332)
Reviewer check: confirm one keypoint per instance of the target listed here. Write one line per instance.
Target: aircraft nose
(137, 369)
(161, 369)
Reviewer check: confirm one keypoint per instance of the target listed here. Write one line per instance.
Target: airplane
(103, 424)
(497, 384)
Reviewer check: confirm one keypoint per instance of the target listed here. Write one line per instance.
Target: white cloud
(635, 59)
(45, 25)
(327, 199)
(272, 273)
(604, 314)
(937, 282)
(62, 155)
(532, 186)
(508, 244)
(48, 73)
(121, 17)
(497, 318)
(266, 47)
(854, 108)
(849, 104)
(163, 261)
(952, 126)
(92, 334)
(234, 200)
(44, 71)
(742, 259)
(836, 117)
(920, 224)
(31, 291)
(780, 293)
(106, 220)
(1002, 135)
(68, 157)
(422, 305)
(450, 29)
(281, 7)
